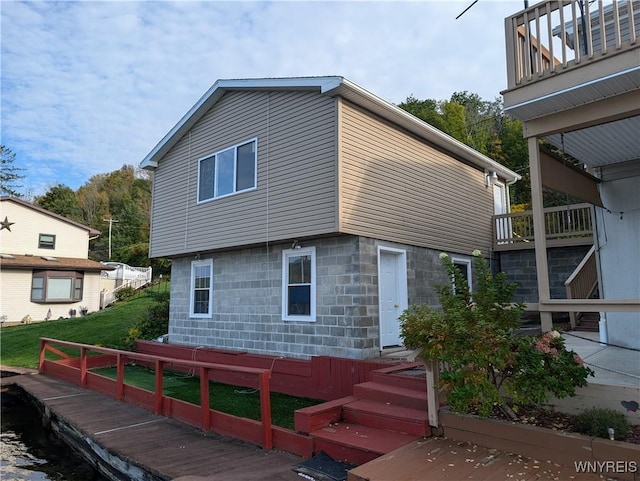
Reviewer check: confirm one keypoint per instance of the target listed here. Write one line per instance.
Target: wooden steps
(589, 322)
(386, 416)
(357, 444)
(382, 415)
(390, 394)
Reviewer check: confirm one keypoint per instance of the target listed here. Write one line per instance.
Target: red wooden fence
(321, 377)
(76, 370)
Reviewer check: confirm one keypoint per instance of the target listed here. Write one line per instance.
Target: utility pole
(110, 221)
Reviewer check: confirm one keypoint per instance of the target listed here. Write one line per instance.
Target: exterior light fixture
(490, 178)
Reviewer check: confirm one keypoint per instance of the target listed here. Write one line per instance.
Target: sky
(89, 86)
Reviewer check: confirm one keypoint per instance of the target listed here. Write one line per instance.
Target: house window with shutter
(228, 172)
(299, 284)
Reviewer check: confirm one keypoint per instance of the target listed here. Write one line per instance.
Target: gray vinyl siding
(396, 187)
(295, 195)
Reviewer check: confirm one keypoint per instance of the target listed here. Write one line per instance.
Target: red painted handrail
(204, 368)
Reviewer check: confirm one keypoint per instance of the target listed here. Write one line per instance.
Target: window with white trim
(201, 298)
(56, 286)
(464, 266)
(228, 172)
(299, 284)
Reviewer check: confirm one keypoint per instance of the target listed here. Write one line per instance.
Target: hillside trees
(483, 126)
(122, 196)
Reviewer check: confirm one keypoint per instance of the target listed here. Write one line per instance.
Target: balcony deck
(565, 226)
(565, 79)
(554, 37)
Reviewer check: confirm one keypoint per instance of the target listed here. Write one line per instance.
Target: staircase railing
(583, 282)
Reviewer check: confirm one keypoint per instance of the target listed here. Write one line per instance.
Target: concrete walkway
(612, 365)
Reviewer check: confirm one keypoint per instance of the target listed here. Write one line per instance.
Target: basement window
(299, 284)
(464, 267)
(201, 302)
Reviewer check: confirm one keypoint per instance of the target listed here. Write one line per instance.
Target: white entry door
(392, 292)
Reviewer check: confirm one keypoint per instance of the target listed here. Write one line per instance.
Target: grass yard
(239, 401)
(20, 345)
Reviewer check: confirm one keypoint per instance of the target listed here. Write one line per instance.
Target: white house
(45, 272)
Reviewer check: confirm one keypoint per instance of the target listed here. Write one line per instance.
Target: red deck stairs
(383, 414)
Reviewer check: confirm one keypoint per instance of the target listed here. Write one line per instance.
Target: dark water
(30, 452)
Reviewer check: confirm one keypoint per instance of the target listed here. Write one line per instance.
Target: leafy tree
(62, 200)
(454, 118)
(482, 125)
(427, 110)
(94, 201)
(123, 195)
(9, 173)
(473, 334)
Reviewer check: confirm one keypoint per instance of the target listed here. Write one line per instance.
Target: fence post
(204, 399)
(120, 378)
(433, 391)
(159, 367)
(41, 359)
(83, 367)
(265, 410)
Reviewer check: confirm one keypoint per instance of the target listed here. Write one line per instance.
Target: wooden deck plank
(166, 447)
(439, 459)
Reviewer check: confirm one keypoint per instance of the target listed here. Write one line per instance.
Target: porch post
(540, 233)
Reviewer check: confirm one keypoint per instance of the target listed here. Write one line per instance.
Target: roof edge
(216, 91)
(42, 210)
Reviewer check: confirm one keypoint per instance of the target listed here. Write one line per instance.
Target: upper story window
(299, 284)
(47, 241)
(229, 171)
(57, 286)
(201, 302)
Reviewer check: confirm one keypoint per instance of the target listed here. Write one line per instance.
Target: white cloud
(90, 86)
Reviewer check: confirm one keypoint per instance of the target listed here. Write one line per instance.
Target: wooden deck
(438, 459)
(170, 450)
(163, 447)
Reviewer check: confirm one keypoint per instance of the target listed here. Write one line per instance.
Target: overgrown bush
(125, 293)
(597, 421)
(473, 334)
(154, 323)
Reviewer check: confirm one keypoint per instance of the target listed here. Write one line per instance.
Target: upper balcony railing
(557, 35)
(567, 225)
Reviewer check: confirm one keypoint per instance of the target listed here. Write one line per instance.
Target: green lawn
(239, 401)
(20, 345)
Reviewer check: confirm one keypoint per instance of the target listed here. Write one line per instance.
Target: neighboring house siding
(396, 187)
(15, 286)
(247, 299)
(295, 195)
(70, 241)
